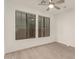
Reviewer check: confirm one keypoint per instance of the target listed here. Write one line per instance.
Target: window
(43, 26)
(25, 25)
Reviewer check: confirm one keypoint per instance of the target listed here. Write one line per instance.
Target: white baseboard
(67, 44)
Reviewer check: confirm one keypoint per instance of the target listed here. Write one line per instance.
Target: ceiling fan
(52, 4)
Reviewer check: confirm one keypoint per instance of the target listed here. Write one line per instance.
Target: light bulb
(51, 6)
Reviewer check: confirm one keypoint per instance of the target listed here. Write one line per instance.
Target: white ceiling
(70, 4)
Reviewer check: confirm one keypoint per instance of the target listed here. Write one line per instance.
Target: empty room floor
(49, 51)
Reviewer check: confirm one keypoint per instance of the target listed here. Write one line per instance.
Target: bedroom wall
(65, 27)
(10, 43)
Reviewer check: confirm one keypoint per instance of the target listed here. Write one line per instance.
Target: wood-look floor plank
(50, 51)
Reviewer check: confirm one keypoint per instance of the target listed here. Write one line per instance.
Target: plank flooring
(49, 51)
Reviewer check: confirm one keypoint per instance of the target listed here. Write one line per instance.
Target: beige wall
(62, 30)
(10, 43)
(65, 27)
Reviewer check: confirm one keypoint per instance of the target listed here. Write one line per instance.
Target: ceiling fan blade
(43, 4)
(57, 7)
(43, 1)
(60, 1)
(47, 9)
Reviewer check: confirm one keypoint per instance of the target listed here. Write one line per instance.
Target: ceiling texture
(69, 4)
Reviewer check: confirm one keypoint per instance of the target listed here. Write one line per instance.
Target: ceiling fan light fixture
(51, 6)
